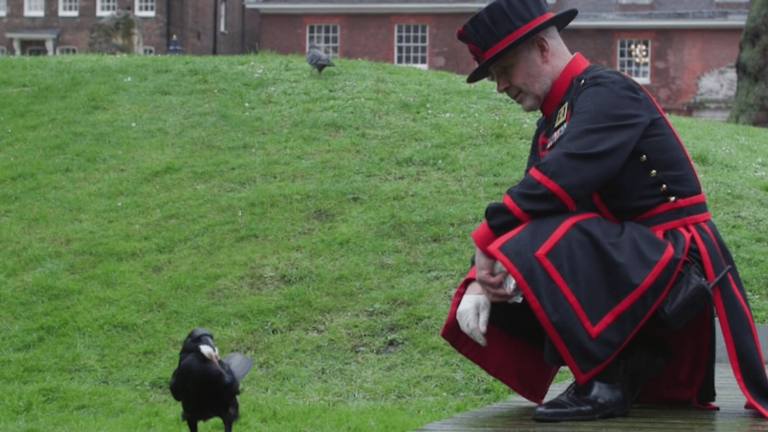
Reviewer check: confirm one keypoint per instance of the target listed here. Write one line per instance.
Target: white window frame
(325, 36)
(223, 16)
(66, 50)
(145, 8)
(640, 71)
(37, 11)
(101, 7)
(3, 51)
(69, 13)
(148, 50)
(3, 8)
(401, 58)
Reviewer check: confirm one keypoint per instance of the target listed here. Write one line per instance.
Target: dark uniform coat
(608, 211)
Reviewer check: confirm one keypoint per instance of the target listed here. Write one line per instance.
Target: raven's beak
(207, 340)
(210, 353)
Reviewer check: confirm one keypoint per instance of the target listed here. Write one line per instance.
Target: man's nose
(501, 85)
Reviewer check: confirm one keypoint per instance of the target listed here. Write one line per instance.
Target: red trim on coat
(743, 302)
(602, 208)
(500, 45)
(595, 329)
(580, 375)
(512, 361)
(483, 237)
(555, 188)
(679, 203)
(515, 209)
(666, 119)
(679, 223)
(575, 66)
(538, 310)
(730, 346)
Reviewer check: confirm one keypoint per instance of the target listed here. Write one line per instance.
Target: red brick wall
(190, 20)
(196, 23)
(678, 57)
(74, 30)
(371, 37)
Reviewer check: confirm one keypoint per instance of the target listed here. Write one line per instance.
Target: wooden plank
(515, 415)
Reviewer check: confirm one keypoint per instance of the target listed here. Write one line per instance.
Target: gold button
(652, 173)
(663, 188)
(643, 158)
(672, 199)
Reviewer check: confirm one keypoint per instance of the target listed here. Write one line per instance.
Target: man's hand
(492, 284)
(473, 313)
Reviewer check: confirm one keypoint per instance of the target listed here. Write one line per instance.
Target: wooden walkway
(515, 414)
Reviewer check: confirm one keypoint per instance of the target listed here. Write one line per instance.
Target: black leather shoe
(594, 400)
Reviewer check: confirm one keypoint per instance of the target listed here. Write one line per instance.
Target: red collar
(575, 66)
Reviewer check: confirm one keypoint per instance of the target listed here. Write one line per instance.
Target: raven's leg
(192, 425)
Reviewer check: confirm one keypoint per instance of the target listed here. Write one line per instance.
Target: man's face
(521, 74)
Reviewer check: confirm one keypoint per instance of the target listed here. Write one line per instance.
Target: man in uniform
(607, 239)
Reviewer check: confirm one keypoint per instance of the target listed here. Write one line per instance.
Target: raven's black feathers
(206, 386)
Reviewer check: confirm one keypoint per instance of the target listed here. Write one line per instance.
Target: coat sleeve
(608, 117)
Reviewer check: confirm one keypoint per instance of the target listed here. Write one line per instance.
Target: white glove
(472, 315)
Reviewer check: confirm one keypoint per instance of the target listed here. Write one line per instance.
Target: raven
(317, 58)
(206, 386)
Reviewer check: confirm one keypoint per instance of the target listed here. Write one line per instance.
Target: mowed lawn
(315, 224)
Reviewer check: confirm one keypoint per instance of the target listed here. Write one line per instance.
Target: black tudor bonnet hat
(503, 25)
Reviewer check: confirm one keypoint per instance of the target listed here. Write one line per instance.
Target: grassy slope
(318, 225)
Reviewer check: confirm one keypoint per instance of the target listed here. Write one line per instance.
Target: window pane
(411, 44)
(145, 6)
(324, 36)
(634, 58)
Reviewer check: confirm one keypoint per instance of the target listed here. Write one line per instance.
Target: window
(68, 8)
(106, 7)
(326, 36)
(634, 59)
(551, 1)
(148, 50)
(34, 8)
(36, 51)
(2, 51)
(223, 18)
(411, 45)
(63, 50)
(145, 8)
(3, 7)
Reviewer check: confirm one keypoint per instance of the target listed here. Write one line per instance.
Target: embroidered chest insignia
(557, 134)
(561, 115)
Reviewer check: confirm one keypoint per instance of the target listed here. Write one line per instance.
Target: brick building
(682, 50)
(40, 27)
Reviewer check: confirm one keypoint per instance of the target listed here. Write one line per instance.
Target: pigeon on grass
(205, 385)
(317, 58)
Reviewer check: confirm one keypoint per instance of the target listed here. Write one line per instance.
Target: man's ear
(541, 48)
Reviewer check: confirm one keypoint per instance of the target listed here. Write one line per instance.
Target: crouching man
(613, 266)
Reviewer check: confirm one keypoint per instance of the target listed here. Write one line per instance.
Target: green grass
(318, 225)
